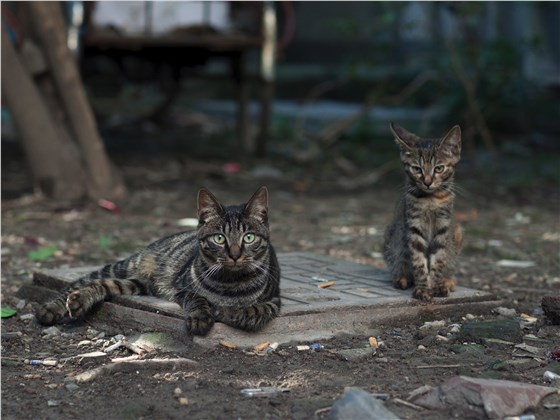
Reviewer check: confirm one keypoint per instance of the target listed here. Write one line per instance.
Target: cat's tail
(110, 281)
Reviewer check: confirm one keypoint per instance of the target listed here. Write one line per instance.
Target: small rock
(177, 392)
(503, 329)
(421, 347)
(507, 312)
(470, 317)
(51, 331)
(183, 401)
(356, 403)
(454, 328)
(20, 305)
(84, 343)
(484, 398)
(53, 403)
(433, 324)
(26, 317)
(71, 386)
(382, 360)
(52, 386)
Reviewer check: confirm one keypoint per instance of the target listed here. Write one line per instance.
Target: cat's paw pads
(402, 283)
(74, 304)
(199, 323)
(49, 314)
(421, 293)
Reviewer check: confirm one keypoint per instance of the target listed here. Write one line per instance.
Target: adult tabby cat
(423, 241)
(225, 271)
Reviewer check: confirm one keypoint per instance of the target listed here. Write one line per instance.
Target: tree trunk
(55, 164)
(49, 26)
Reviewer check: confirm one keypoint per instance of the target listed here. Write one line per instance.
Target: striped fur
(226, 271)
(423, 241)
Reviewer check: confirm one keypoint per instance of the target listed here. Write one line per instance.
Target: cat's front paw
(75, 304)
(443, 290)
(50, 313)
(422, 293)
(199, 323)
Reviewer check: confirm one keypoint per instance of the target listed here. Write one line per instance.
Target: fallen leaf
(7, 312)
(41, 254)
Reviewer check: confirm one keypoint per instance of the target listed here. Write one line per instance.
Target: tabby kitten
(423, 241)
(225, 271)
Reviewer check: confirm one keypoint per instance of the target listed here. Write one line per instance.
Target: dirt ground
(309, 211)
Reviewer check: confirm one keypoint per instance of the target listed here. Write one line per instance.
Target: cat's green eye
(219, 239)
(248, 238)
(439, 169)
(416, 169)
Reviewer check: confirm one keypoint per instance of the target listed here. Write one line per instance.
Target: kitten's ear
(257, 206)
(450, 144)
(208, 206)
(404, 139)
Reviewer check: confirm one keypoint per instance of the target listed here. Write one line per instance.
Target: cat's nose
(234, 252)
(428, 180)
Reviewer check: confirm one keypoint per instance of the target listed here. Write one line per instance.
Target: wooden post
(49, 27)
(55, 164)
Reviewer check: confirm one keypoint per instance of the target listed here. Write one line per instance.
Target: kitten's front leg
(442, 258)
(252, 318)
(417, 246)
(198, 315)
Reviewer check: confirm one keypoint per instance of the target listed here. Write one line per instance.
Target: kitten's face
(430, 164)
(233, 237)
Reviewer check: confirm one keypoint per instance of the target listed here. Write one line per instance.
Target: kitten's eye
(439, 169)
(248, 238)
(416, 169)
(219, 239)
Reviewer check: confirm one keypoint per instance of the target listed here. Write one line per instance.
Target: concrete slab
(360, 300)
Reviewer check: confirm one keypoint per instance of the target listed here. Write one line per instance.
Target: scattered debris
(407, 404)
(26, 317)
(419, 391)
(265, 391)
(41, 362)
(53, 403)
(50, 331)
(132, 365)
(356, 403)
(551, 376)
(327, 284)
(477, 397)
(554, 354)
(71, 386)
(7, 312)
(373, 343)
(433, 325)
(228, 344)
(508, 312)
(439, 366)
(315, 346)
(527, 321)
(109, 206)
(515, 264)
(183, 401)
(526, 348)
(262, 346)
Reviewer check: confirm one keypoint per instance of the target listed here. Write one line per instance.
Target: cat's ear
(404, 139)
(257, 206)
(208, 206)
(450, 144)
